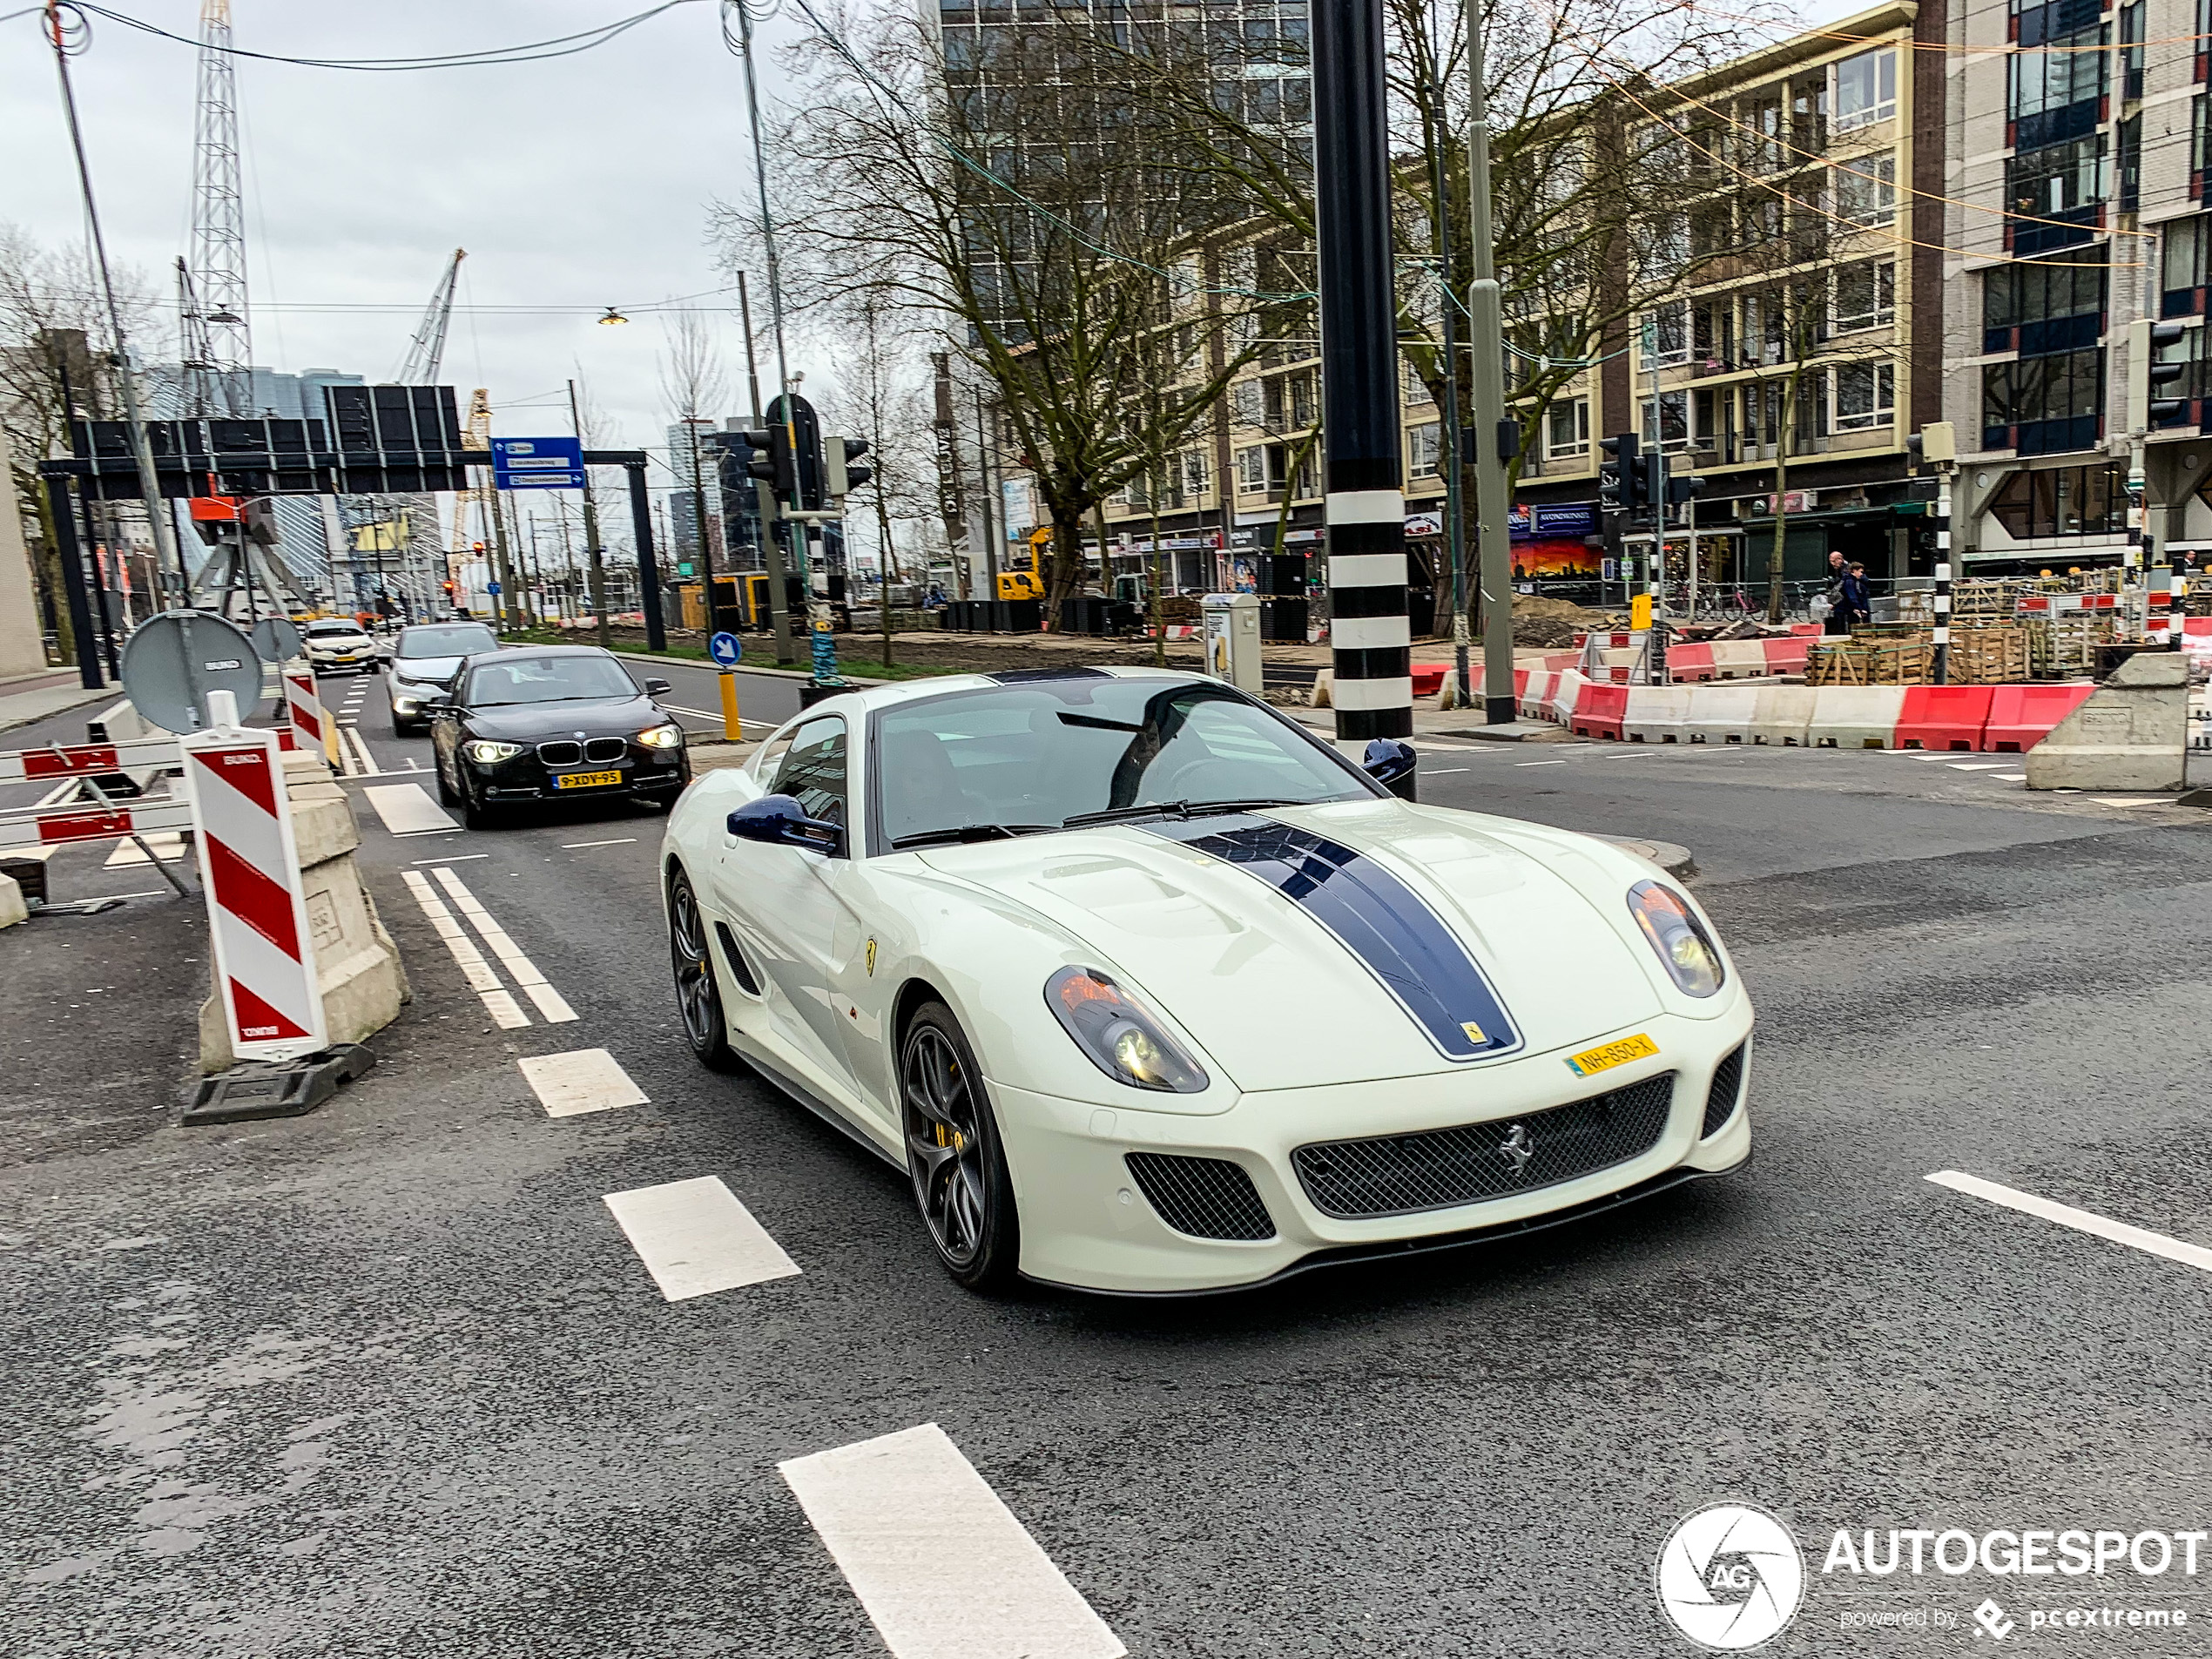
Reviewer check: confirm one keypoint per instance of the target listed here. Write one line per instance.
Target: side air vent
(740, 969)
(1722, 1098)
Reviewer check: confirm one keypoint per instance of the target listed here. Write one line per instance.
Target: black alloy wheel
(698, 998)
(952, 1153)
(446, 795)
(475, 811)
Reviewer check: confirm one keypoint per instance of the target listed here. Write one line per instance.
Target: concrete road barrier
(1723, 714)
(2130, 732)
(1782, 714)
(1855, 716)
(12, 907)
(1657, 713)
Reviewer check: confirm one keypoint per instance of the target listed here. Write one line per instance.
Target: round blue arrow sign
(725, 650)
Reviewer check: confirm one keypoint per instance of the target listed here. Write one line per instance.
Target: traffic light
(1617, 475)
(772, 458)
(2146, 373)
(1934, 444)
(1683, 488)
(838, 474)
(1653, 486)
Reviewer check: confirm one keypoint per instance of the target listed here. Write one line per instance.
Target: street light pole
(597, 554)
(1493, 496)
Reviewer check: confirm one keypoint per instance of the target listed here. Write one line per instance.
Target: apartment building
(2077, 186)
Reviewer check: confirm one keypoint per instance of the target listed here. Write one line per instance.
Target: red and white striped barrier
(86, 759)
(257, 909)
(75, 822)
(311, 724)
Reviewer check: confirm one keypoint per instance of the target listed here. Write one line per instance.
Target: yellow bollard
(732, 728)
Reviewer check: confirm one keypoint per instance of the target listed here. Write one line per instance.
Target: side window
(770, 759)
(813, 770)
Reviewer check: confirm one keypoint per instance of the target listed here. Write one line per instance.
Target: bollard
(733, 727)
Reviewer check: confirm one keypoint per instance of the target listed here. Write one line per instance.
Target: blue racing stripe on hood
(1376, 917)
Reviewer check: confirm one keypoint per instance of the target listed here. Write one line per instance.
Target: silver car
(425, 658)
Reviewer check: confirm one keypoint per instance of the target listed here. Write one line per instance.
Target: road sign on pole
(537, 463)
(257, 908)
(725, 650)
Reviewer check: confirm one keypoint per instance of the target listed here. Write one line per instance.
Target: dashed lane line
(695, 1238)
(2066, 1215)
(619, 840)
(892, 1511)
(1539, 763)
(368, 766)
(1979, 766)
(451, 858)
(407, 809)
(498, 1001)
(552, 1005)
(585, 1080)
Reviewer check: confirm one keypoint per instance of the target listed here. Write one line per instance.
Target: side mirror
(658, 688)
(1391, 762)
(779, 821)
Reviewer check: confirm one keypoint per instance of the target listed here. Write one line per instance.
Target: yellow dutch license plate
(1590, 1061)
(585, 780)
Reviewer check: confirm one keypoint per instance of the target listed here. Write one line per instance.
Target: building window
(1865, 396)
(2065, 182)
(2063, 501)
(1866, 190)
(2056, 94)
(1251, 471)
(1865, 90)
(2044, 305)
(2186, 244)
(1665, 335)
(2043, 405)
(1666, 247)
(1423, 443)
(1863, 296)
(1247, 404)
(1673, 430)
(1197, 474)
(1566, 430)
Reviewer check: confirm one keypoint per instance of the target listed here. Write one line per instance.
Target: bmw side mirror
(658, 688)
(1391, 762)
(779, 820)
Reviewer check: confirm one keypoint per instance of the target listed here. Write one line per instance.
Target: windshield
(446, 642)
(1036, 755)
(545, 679)
(335, 630)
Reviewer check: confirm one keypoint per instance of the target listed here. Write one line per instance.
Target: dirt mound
(1554, 623)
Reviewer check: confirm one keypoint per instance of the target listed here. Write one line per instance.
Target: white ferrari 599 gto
(1149, 989)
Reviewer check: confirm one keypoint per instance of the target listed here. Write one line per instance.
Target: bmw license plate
(1590, 1061)
(586, 779)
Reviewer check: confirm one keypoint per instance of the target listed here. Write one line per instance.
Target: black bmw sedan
(553, 723)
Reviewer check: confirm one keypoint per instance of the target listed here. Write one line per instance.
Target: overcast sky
(581, 182)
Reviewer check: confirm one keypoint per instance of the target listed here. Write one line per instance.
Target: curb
(1675, 861)
(712, 667)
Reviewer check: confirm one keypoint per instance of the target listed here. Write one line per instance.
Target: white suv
(339, 643)
(424, 661)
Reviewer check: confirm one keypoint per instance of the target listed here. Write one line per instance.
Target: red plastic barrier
(1785, 656)
(1520, 683)
(1428, 677)
(1599, 711)
(1559, 661)
(1807, 630)
(2022, 716)
(1689, 663)
(1943, 717)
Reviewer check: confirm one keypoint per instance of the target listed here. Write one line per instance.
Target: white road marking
(696, 1239)
(167, 845)
(407, 809)
(151, 893)
(1539, 763)
(370, 767)
(587, 1079)
(1439, 771)
(481, 976)
(716, 714)
(552, 1006)
(451, 858)
(346, 765)
(1979, 766)
(620, 841)
(2010, 777)
(893, 1511)
(2125, 800)
(2066, 1215)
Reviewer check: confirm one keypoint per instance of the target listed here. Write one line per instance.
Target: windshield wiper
(967, 833)
(1183, 809)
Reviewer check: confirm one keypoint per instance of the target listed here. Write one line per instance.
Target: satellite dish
(276, 639)
(171, 662)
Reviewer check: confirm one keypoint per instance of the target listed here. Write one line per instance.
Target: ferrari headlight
(1119, 1034)
(662, 736)
(484, 752)
(1675, 931)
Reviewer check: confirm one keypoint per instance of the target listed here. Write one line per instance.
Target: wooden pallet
(1988, 654)
(1871, 661)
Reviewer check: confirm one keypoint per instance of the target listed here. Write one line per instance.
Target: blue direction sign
(725, 650)
(537, 463)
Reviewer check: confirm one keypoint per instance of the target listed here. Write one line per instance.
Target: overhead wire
(1963, 49)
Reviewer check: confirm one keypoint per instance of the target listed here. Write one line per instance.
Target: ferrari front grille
(602, 750)
(1203, 1197)
(564, 753)
(1397, 1175)
(1728, 1087)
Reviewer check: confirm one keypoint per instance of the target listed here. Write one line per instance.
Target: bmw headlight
(662, 737)
(1119, 1034)
(1681, 939)
(485, 752)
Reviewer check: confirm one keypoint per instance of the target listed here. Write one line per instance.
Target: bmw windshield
(1058, 754)
(512, 680)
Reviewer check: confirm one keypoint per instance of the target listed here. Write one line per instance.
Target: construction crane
(427, 349)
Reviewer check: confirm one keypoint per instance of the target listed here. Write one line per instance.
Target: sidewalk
(28, 697)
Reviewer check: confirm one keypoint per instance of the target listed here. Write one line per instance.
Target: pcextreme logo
(1730, 1577)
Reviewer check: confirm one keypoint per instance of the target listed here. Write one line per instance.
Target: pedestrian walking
(1834, 621)
(1854, 604)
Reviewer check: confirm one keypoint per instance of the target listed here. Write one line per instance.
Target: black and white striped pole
(1938, 447)
(1370, 640)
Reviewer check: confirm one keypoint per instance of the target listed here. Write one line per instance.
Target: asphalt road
(390, 1380)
